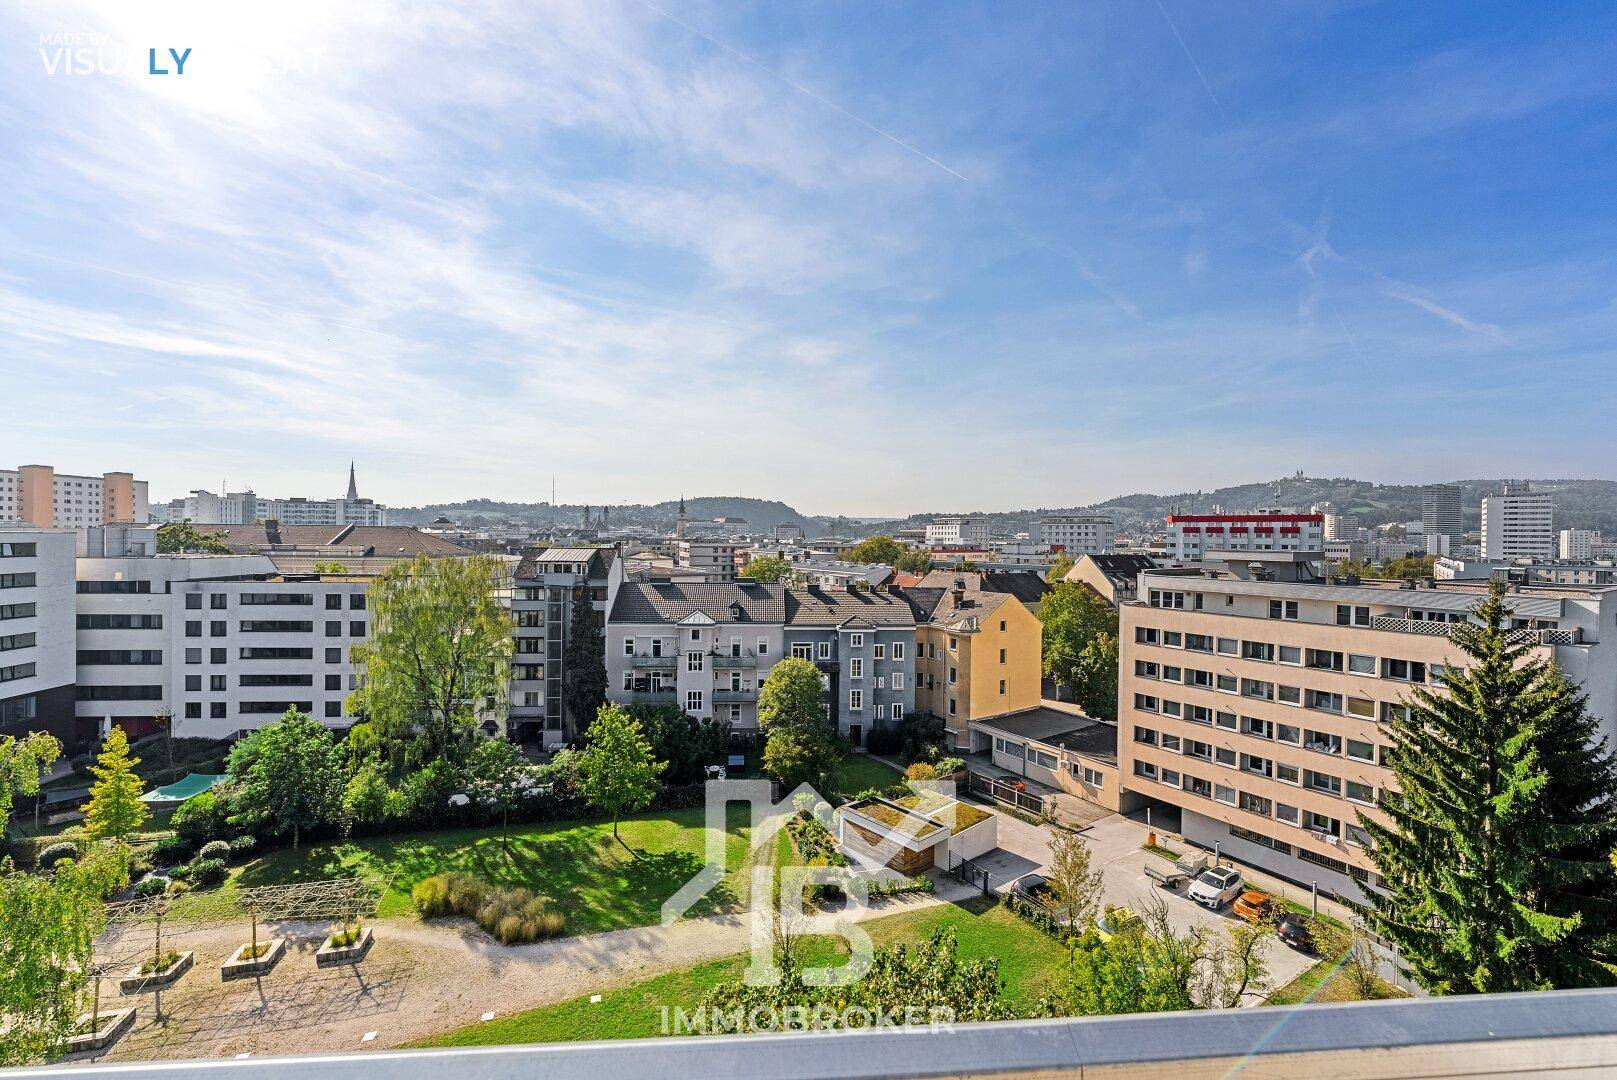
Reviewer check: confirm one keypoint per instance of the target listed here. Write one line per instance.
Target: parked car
(1033, 888)
(1255, 906)
(1293, 930)
(1216, 887)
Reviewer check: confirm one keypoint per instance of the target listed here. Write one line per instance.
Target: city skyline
(660, 248)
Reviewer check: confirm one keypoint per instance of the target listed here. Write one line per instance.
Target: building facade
(1518, 523)
(1256, 706)
(1441, 514)
(708, 648)
(40, 496)
(713, 558)
(979, 655)
(1077, 535)
(1197, 536)
(956, 531)
(36, 634)
(545, 588)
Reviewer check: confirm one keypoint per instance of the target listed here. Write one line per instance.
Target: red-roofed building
(1191, 536)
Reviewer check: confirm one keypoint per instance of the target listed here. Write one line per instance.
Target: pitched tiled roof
(1027, 587)
(671, 602)
(380, 541)
(1120, 566)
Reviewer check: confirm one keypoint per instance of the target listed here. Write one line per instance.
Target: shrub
(884, 741)
(898, 886)
(155, 885)
(215, 849)
(171, 849)
(447, 894)
(201, 818)
(202, 873)
(921, 772)
(517, 916)
(52, 854)
(176, 887)
(922, 735)
(948, 766)
(242, 845)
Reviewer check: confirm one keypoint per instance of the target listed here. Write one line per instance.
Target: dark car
(1293, 930)
(1034, 888)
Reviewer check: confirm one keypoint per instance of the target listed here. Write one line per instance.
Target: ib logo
(175, 57)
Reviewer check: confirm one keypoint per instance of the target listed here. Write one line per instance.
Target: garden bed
(109, 1026)
(331, 954)
(244, 964)
(140, 979)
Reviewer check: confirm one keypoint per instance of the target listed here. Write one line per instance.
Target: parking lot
(1114, 844)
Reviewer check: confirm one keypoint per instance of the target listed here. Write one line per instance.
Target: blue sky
(866, 258)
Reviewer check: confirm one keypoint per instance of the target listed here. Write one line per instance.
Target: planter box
(239, 966)
(330, 956)
(137, 983)
(114, 1022)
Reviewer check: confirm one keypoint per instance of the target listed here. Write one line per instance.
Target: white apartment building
(203, 507)
(1580, 545)
(955, 531)
(224, 642)
(1195, 536)
(1077, 535)
(36, 633)
(1256, 706)
(39, 495)
(1518, 523)
(713, 558)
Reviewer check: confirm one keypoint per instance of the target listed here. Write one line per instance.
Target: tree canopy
(1494, 855)
(1080, 645)
(799, 746)
(769, 569)
(182, 537)
(876, 549)
(1058, 569)
(22, 763)
(618, 773)
(438, 657)
(290, 777)
(115, 811)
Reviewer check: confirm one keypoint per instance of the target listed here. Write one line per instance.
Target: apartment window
(1170, 742)
(1145, 769)
(1164, 599)
(878, 651)
(1324, 660)
(1199, 643)
(1197, 786)
(1002, 688)
(1352, 615)
(1323, 700)
(193, 710)
(1283, 609)
(763, 646)
(1285, 813)
(1288, 774)
(1145, 735)
(1172, 639)
(856, 641)
(1325, 782)
(1291, 654)
(1228, 646)
(333, 709)
(1257, 650)
(1145, 703)
(1094, 777)
(825, 650)
(693, 661)
(1228, 684)
(333, 601)
(898, 711)
(1362, 707)
(1356, 836)
(1197, 749)
(193, 601)
(1146, 669)
(1172, 708)
(1361, 751)
(216, 628)
(193, 684)
(333, 656)
(1262, 729)
(333, 682)
(1256, 688)
(193, 628)
(193, 656)
(218, 601)
(356, 601)
(1224, 756)
(1257, 765)
(856, 667)
(693, 701)
(1145, 635)
(856, 699)
(217, 710)
(333, 628)
(1002, 656)
(1404, 670)
(216, 683)
(1169, 777)
(1322, 823)
(1255, 804)
(1360, 793)
(356, 628)
(1289, 695)
(881, 711)
(898, 650)
(1391, 712)
(898, 680)
(1172, 673)
(952, 674)
(217, 656)
(696, 635)
(1361, 665)
(954, 644)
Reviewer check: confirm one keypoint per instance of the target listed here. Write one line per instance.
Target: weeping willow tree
(1496, 850)
(438, 658)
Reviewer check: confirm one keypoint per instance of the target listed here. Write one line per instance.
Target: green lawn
(578, 865)
(859, 772)
(1027, 960)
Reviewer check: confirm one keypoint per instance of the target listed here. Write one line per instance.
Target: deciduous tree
(1074, 882)
(22, 764)
(799, 746)
(289, 775)
(438, 657)
(618, 773)
(769, 569)
(182, 537)
(1080, 645)
(115, 811)
(876, 549)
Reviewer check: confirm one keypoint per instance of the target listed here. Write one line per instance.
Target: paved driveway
(1114, 844)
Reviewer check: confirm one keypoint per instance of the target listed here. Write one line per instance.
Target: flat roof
(1056, 727)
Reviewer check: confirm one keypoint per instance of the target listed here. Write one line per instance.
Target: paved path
(420, 979)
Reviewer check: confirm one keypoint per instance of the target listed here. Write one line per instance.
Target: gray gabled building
(708, 648)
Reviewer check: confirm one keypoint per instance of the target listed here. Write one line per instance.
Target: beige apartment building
(43, 497)
(1256, 706)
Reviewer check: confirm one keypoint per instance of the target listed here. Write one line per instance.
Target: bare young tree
(1074, 882)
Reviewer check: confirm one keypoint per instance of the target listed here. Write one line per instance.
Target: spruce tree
(583, 663)
(1495, 854)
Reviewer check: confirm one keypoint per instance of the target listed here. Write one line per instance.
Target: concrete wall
(971, 843)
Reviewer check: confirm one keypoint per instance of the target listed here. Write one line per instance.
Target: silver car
(1216, 887)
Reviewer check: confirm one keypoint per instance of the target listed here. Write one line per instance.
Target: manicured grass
(579, 866)
(860, 772)
(1027, 960)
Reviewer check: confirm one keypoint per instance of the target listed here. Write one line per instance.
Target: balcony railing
(734, 697)
(745, 659)
(646, 660)
(1433, 628)
(653, 697)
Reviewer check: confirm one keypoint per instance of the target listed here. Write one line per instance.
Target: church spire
(353, 488)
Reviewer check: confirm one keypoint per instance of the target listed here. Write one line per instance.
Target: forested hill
(1579, 504)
